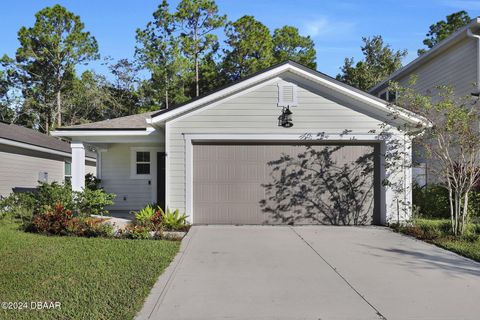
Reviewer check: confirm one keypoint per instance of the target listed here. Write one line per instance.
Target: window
(388, 95)
(142, 164)
(68, 171)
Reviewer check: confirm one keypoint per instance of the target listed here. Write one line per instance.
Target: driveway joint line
(340, 275)
(171, 275)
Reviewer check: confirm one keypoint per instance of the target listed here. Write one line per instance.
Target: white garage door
(284, 183)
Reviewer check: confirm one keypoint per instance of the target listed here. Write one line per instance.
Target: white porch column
(78, 165)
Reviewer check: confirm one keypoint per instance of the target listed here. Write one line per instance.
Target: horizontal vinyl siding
(116, 178)
(20, 168)
(456, 67)
(257, 112)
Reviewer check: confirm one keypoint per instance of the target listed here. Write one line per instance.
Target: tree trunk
(59, 108)
(197, 77)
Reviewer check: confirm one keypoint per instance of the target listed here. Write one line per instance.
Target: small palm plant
(145, 214)
(173, 220)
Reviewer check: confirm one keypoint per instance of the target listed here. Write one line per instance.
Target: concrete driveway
(265, 272)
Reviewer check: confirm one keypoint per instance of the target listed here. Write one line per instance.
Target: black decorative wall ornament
(285, 119)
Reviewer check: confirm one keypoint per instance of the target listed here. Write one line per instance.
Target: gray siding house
(28, 156)
(285, 145)
(454, 62)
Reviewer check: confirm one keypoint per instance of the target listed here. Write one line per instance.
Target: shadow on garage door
(246, 183)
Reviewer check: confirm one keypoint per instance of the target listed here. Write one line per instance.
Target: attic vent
(287, 95)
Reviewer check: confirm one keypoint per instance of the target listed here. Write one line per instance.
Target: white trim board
(40, 149)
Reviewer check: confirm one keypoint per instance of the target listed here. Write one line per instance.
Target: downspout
(472, 35)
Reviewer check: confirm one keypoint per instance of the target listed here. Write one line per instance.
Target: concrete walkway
(263, 272)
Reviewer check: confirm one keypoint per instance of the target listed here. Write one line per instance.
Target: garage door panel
(277, 184)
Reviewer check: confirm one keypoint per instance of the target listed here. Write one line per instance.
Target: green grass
(437, 231)
(92, 278)
(466, 248)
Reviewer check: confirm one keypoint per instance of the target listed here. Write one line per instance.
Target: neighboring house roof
(440, 47)
(31, 138)
(143, 121)
(133, 122)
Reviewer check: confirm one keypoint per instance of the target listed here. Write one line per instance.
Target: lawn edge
(433, 244)
(160, 288)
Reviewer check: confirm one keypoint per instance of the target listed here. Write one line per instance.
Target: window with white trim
(388, 95)
(68, 171)
(142, 163)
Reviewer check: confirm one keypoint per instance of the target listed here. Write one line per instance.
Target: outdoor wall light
(285, 119)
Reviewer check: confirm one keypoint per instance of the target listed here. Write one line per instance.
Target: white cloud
(462, 4)
(325, 27)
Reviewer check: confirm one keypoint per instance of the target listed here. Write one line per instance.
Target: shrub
(150, 218)
(92, 182)
(89, 202)
(175, 221)
(89, 227)
(18, 206)
(49, 194)
(144, 215)
(61, 221)
(133, 231)
(52, 221)
(432, 201)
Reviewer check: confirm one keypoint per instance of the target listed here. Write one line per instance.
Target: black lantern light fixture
(285, 119)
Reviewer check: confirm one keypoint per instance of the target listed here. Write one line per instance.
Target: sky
(337, 27)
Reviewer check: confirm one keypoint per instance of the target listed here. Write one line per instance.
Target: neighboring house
(454, 62)
(28, 156)
(233, 156)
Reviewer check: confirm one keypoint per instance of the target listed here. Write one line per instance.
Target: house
(454, 62)
(28, 156)
(285, 145)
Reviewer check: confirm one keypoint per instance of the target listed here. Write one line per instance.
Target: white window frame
(133, 163)
(281, 88)
(387, 95)
(65, 175)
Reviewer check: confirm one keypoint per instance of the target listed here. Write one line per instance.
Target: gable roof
(276, 70)
(440, 47)
(145, 120)
(30, 137)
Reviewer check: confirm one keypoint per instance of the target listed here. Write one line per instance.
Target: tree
(378, 63)
(88, 99)
(250, 48)
(46, 59)
(451, 143)
(196, 20)
(158, 51)
(444, 28)
(124, 88)
(288, 44)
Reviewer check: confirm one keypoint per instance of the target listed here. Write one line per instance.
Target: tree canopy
(444, 28)
(379, 61)
(46, 59)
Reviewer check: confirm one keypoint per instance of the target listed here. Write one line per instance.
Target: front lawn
(437, 231)
(92, 278)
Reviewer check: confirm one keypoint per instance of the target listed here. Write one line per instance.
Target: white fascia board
(220, 94)
(381, 106)
(37, 148)
(103, 133)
